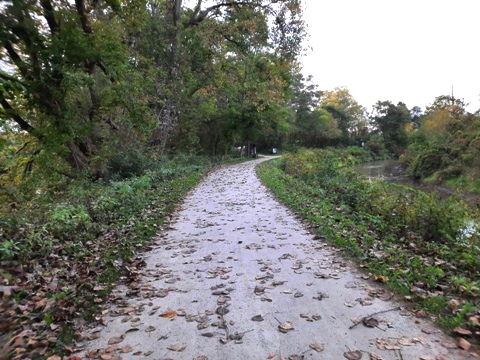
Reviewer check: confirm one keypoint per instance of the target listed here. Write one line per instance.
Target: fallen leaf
(92, 354)
(208, 334)
(201, 357)
(387, 296)
(381, 278)
(257, 318)
(148, 353)
(168, 314)
(55, 357)
(448, 344)
(370, 322)
(353, 355)
(462, 331)
(318, 347)
(150, 329)
(296, 357)
(177, 347)
(126, 349)
(115, 340)
(375, 357)
(259, 290)
(388, 344)
(286, 326)
(464, 344)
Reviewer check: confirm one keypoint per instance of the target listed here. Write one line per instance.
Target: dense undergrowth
(413, 241)
(63, 247)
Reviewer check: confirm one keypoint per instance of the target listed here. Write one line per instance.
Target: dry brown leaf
(257, 318)
(464, 344)
(112, 348)
(148, 353)
(208, 334)
(375, 357)
(388, 344)
(353, 355)
(177, 347)
(201, 357)
(318, 347)
(370, 322)
(387, 296)
(381, 278)
(448, 344)
(259, 290)
(115, 340)
(150, 328)
(286, 326)
(55, 357)
(168, 314)
(126, 349)
(462, 331)
(92, 354)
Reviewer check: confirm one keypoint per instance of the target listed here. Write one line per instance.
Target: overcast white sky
(397, 50)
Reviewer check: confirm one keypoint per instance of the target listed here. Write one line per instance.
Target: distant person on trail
(254, 151)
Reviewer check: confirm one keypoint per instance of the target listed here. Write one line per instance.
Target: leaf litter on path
(177, 347)
(286, 327)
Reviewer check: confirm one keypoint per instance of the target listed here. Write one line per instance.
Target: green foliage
(412, 237)
(390, 121)
(445, 147)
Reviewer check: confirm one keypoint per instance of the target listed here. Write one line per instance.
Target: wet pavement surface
(237, 276)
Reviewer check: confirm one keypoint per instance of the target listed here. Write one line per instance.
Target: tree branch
(196, 11)
(18, 119)
(101, 66)
(79, 4)
(17, 60)
(10, 78)
(201, 15)
(49, 15)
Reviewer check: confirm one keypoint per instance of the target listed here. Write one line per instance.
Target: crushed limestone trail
(237, 276)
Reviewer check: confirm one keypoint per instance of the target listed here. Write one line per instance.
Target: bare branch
(196, 11)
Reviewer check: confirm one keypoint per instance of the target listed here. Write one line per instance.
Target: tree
(390, 121)
(251, 33)
(347, 111)
(63, 79)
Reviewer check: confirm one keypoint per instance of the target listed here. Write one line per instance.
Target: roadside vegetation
(64, 246)
(445, 149)
(423, 247)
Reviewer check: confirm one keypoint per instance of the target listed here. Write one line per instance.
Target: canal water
(387, 169)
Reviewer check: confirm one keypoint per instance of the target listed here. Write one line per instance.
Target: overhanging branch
(18, 119)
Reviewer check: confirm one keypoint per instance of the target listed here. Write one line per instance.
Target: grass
(64, 248)
(410, 237)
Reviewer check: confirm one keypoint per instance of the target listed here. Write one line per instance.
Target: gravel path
(236, 276)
